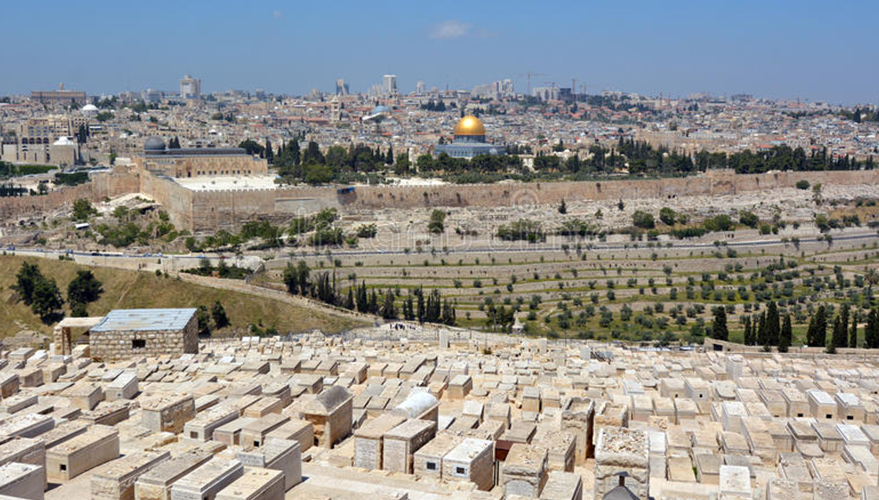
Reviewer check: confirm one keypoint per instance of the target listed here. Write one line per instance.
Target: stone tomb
(115, 480)
(19, 480)
(623, 451)
(428, 461)
(525, 470)
(331, 413)
(471, 461)
(123, 387)
(255, 484)
(369, 439)
(98, 445)
(156, 483)
(278, 454)
(401, 443)
(206, 481)
(167, 413)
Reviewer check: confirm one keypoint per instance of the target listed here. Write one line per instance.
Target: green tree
(643, 220)
(871, 332)
(47, 301)
(749, 219)
(853, 333)
(218, 313)
(718, 327)
(83, 289)
(82, 209)
(786, 337)
(563, 207)
(203, 318)
(668, 216)
(818, 328)
(772, 328)
(26, 280)
(748, 334)
(388, 310)
(437, 222)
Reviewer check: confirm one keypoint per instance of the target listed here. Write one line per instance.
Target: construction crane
(529, 74)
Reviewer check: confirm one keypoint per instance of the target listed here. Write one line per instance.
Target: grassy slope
(129, 289)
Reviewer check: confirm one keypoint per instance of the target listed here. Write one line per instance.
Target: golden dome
(469, 125)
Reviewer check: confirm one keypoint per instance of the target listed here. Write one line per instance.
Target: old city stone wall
(209, 211)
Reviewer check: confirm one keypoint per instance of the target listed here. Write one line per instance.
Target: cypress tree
(834, 339)
(820, 333)
(772, 329)
(787, 334)
(871, 334)
(747, 337)
(718, 327)
(853, 333)
(763, 331)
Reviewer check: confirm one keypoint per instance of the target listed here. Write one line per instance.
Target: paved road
(512, 248)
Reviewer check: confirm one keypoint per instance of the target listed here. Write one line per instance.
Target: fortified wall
(203, 211)
(212, 210)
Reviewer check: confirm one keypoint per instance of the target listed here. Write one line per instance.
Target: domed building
(469, 141)
(178, 162)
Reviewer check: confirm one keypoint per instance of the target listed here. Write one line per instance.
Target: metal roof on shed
(144, 320)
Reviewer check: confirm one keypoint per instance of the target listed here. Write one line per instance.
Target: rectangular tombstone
(20, 480)
(253, 434)
(619, 451)
(278, 454)
(167, 413)
(123, 387)
(301, 431)
(207, 480)
(471, 461)
(84, 395)
(115, 480)
(64, 432)
(98, 445)
(563, 486)
(401, 443)
(202, 427)
(255, 484)
(428, 461)
(156, 483)
(230, 433)
(525, 470)
(369, 438)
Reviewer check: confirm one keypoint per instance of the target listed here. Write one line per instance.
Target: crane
(529, 74)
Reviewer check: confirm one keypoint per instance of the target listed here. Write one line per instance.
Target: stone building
(331, 414)
(193, 162)
(124, 333)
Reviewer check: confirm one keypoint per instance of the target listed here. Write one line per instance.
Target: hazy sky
(778, 49)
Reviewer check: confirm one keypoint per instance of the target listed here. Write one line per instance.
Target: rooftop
(144, 320)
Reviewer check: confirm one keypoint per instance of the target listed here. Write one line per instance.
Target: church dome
(154, 144)
(469, 126)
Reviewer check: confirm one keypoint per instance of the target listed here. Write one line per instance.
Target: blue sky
(778, 49)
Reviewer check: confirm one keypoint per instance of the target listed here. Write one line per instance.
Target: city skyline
(780, 51)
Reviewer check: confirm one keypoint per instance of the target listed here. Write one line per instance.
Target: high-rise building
(190, 88)
(389, 85)
(419, 88)
(341, 87)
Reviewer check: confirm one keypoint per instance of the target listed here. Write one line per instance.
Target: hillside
(130, 289)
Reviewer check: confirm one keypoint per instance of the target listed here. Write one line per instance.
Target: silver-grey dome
(154, 144)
